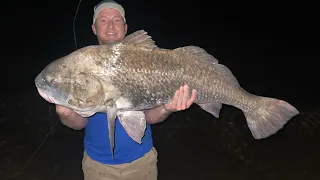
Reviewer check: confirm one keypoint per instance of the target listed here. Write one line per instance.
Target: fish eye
(53, 82)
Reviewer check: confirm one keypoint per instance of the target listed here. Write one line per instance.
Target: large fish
(125, 78)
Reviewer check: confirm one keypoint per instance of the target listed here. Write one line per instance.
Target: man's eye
(117, 20)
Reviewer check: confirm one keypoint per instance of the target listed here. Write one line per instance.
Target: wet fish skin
(125, 78)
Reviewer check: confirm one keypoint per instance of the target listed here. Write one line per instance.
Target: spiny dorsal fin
(198, 51)
(140, 38)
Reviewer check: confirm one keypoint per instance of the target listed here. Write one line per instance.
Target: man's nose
(110, 24)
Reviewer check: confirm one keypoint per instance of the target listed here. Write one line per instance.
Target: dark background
(271, 48)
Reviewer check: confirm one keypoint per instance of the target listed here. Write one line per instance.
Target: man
(132, 160)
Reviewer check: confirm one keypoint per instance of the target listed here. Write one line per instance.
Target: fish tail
(269, 117)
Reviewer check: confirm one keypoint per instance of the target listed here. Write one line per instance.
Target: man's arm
(70, 118)
(181, 101)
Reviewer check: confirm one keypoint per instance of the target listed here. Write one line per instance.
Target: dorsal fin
(226, 73)
(140, 38)
(222, 70)
(198, 51)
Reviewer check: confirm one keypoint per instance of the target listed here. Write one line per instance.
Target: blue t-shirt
(126, 150)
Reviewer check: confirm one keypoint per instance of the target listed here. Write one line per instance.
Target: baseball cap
(108, 4)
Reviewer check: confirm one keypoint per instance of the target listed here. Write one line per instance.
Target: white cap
(108, 4)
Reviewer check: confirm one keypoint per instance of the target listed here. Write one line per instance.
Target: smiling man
(132, 160)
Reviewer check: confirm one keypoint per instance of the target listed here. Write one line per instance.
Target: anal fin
(212, 108)
(134, 123)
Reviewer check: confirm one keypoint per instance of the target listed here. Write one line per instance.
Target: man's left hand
(181, 100)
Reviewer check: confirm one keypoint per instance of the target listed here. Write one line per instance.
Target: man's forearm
(156, 115)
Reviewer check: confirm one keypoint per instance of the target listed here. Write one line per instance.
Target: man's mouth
(110, 33)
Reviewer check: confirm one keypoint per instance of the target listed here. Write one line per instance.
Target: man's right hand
(63, 111)
(71, 118)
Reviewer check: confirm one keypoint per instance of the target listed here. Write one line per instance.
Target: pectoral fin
(134, 123)
(112, 113)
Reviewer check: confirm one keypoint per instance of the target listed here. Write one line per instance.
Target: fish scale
(168, 78)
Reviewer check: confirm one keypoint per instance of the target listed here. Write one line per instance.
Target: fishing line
(74, 29)
(52, 127)
(37, 149)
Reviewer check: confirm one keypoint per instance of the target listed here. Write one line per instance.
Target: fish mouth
(46, 96)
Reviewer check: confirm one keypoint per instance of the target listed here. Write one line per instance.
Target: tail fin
(270, 116)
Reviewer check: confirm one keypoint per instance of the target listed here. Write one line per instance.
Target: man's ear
(126, 29)
(94, 29)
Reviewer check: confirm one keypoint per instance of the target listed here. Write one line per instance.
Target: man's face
(109, 26)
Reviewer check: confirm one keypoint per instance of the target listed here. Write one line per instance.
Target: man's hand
(85, 114)
(65, 112)
(71, 118)
(181, 100)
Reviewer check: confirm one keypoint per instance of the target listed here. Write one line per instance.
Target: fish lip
(44, 95)
(52, 95)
